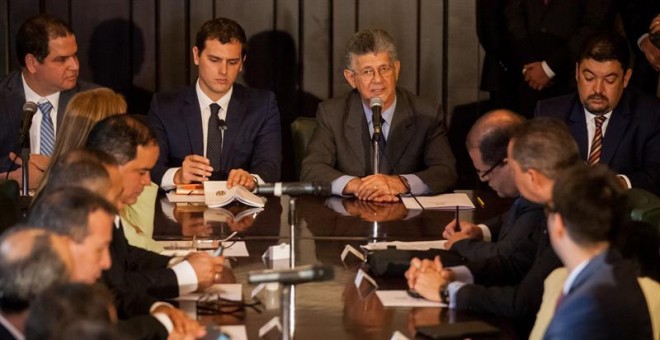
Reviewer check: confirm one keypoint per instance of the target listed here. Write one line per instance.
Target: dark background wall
(138, 47)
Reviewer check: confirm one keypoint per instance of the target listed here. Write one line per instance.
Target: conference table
(317, 232)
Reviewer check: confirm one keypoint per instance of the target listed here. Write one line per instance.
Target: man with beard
(612, 124)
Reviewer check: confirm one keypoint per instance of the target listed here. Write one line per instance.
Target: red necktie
(597, 143)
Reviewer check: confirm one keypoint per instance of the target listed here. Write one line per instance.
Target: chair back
(301, 132)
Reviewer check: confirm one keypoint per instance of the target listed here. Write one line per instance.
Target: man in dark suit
(217, 129)
(31, 261)
(133, 144)
(487, 143)
(612, 124)
(509, 286)
(601, 298)
(46, 48)
(546, 36)
(416, 157)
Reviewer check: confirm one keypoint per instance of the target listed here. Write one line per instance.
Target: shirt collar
(10, 328)
(591, 116)
(205, 101)
(31, 96)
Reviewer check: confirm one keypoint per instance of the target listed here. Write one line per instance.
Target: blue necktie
(47, 130)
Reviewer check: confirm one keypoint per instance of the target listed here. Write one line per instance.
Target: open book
(222, 215)
(216, 195)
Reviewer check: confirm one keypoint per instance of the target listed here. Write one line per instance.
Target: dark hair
(591, 202)
(120, 137)
(491, 134)
(24, 277)
(369, 41)
(61, 306)
(606, 46)
(35, 33)
(66, 211)
(82, 168)
(223, 29)
(545, 144)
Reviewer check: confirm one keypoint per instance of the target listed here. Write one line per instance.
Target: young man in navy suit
(612, 124)
(216, 128)
(601, 298)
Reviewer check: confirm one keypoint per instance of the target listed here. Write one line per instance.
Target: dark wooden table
(324, 226)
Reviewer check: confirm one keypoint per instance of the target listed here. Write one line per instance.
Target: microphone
(222, 125)
(376, 105)
(294, 188)
(29, 109)
(301, 274)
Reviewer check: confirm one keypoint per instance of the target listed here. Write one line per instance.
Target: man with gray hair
(31, 261)
(416, 158)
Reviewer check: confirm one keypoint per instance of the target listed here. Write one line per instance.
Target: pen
(481, 202)
(458, 223)
(218, 252)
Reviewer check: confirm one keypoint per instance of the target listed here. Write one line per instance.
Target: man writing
(416, 158)
(217, 129)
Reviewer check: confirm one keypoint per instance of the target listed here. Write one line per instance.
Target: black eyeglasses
(487, 172)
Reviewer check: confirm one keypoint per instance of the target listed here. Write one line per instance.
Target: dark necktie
(597, 143)
(214, 138)
(47, 134)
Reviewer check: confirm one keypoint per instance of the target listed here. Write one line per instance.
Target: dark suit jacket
(252, 141)
(604, 302)
(508, 286)
(5, 334)
(631, 145)
(508, 231)
(137, 270)
(416, 144)
(12, 98)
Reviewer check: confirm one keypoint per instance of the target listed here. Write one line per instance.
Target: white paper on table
(443, 201)
(228, 291)
(400, 298)
(174, 198)
(417, 245)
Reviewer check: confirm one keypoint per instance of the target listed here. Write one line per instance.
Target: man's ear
(195, 53)
(626, 77)
(350, 77)
(577, 71)
(31, 63)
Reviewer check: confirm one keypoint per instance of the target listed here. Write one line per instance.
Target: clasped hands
(197, 168)
(38, 165)
(535, 76)
(428, 277)
(652, 52)
(377, 188)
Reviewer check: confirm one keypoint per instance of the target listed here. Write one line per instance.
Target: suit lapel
(619, 121)
(578, 125)
(356, 132)
(15, 100)
(192, 117)
(65, 97)
(236, 115)
(401, 131)
(592, 267)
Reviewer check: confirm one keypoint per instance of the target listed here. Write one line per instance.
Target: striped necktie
(597, 143)
(47, 129)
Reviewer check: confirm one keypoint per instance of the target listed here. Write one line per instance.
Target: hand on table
(194, 168)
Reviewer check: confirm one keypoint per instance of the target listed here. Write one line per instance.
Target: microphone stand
(25, 173)
(375, 146)
(289, 290)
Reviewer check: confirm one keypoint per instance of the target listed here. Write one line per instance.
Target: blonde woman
(83, 111)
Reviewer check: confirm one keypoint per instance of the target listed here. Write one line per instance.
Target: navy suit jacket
(252, 141)
(631, 144)
(12, 98)
(508, 230)
(604, 302)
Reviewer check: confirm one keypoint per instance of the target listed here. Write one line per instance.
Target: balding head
(31, 260)
(491, 134)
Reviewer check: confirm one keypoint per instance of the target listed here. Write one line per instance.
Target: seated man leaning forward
(415, 155)
(216, 128)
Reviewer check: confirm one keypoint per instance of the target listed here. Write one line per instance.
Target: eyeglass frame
(483, 175)
(383, 70)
